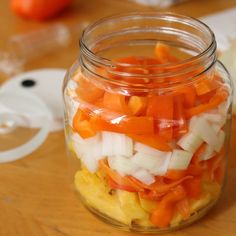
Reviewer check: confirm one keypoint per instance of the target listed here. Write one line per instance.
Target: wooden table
(35, 194)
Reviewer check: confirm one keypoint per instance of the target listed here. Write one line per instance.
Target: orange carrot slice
(193, 187)
(163, 54)
(137, 105)
(220, 96)
(137, 125)
(175, 174)
(164, 212)
(115, 102)
(85, 129)
(120, 180)
(161, 108)
(87, 91)
(180, 123)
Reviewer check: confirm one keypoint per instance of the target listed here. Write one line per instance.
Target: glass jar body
(147, 134)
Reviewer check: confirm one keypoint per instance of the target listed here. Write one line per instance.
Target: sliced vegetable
(164, 212)
(148, 162)
(162, 108)
(221, 139)
(123, 165)
(114, 185)
(124, 181)
(115, 102)
(220, 96)
(201, 127)
(137, 125)
(115, 144)
(137, 105)
(180, 159)
(144, 176)
(193, 187)
(85, 129)
(154, 141)
(149, 150)
(163, 54)
(190, 142)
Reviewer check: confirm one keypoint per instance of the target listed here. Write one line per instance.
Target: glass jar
(147, 117)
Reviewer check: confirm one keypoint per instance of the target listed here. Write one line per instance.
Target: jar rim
(206, 56)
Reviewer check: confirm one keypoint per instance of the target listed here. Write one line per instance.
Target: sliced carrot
(197, 155)
(85, 129)
(115, 102)
(120, 180)
(175, 174)
(154, 141)
(137, 105)
(163, 54)
(193, 187)
(114, 185)
(100, 124)
(164, 212)
(87, 91)
(196, 170)
(161, 108)
(160, 187)
(206, 86)
(220, 96)
(137, 125)
(180, 126)
(183, 207)
(79, 116)
(151, 195)
(189, 94)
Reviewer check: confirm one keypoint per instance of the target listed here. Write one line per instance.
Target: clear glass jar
(147, 117)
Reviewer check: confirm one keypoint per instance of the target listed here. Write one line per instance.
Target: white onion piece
(216, 127)
(213, 117)
(147, 162)
(161, 170)
(89, 151)
(221, 139)
(76, 138)
(123, 165)
(208, 153)
(116, 144)
(148, 150)
(144, 176)
(190, 142)
(203, 128)
(180, 159)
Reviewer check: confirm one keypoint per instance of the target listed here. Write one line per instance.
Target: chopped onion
(161, 170)
(122, 165)
(148, 162)
(208, 153)
(203, 128)
(190, 142)
(144, 176)
(180, 159)
(89, 151)
(115, 144)
(148, 150)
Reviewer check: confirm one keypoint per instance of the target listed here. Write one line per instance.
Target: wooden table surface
(36, 198)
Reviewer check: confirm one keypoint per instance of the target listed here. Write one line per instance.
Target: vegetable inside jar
(147, 113)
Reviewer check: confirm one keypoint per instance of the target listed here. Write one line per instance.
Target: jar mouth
(188, 30)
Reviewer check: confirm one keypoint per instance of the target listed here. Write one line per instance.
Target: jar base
(147, 230)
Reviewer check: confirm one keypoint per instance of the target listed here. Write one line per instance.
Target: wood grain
(36, 198)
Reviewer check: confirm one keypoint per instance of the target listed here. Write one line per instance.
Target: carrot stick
(163, 214)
